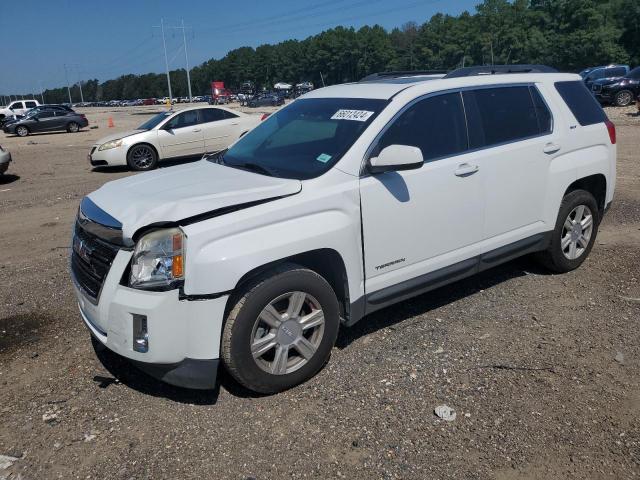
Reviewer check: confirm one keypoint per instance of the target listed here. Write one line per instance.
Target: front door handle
(551, 148)
(465, 169)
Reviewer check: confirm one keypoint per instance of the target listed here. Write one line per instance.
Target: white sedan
(173, 134)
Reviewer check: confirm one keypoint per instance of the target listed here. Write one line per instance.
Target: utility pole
(186, 59)
(186, 55)
(166, 59)
(66, 76)
(41, 92)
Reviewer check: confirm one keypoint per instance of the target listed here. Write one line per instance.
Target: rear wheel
(142, 157)
(623, 98)
(281, 330)
(73, 127)
(574, 234)
(22, 131)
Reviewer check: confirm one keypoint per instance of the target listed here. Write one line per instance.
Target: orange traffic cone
(110, 123)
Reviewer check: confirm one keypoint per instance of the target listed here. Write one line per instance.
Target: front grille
(596, 88)
(91, 259)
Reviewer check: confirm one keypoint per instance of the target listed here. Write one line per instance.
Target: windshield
(155, 120)
(305, 139)
(635, 73)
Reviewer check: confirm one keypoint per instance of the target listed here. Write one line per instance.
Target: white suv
(19, 107)
(348, 200)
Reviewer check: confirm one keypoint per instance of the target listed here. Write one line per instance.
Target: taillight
(264, 116)
(611, 128)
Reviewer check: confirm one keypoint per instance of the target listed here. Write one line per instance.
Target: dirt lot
(542, 370)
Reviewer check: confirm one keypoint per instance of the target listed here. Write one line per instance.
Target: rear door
(62, 117)
(217, 128)
(511, 134)
(182, 135)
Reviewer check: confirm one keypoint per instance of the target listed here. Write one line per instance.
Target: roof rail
(499, 69)
(401, 73)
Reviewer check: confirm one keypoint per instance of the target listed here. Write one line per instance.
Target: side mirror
(396, 157)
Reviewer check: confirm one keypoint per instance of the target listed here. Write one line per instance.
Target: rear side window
(582, 104)
(616, 72)
(500, 115)
(228, 114)
(436, 125)
(30, 104)
(211, 115)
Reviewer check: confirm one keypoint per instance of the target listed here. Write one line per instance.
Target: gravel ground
(542, 370)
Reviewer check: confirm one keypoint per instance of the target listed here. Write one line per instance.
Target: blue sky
(106, 38)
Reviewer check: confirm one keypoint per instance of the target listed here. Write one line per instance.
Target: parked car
(189, 132)
(619, 91)
(16, 108)
(5, 160)
(49, 106)
(593, 74)
(346, 201)
(265, 99)
(47, 121)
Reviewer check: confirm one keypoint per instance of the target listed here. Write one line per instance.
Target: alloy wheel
(624, 98)
(287, 333)
(576, 232)
(142, 157)
(22, 131)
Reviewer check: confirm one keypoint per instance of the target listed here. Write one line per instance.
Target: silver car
(5, 160)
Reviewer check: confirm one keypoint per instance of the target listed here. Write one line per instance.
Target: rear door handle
(464, 170)
(550, 148)
(196, 129)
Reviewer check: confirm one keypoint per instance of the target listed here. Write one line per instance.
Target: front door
(181, 136)
(420, 221)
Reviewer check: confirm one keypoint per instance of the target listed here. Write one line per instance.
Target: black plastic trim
(382, 298)
(189, 373)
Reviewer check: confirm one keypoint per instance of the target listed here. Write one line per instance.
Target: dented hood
(176, 193)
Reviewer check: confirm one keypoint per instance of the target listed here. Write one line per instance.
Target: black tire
(22, 131)
(73, 127)
(139, 164)
(554, 257)
(623, 98)
(241, 322)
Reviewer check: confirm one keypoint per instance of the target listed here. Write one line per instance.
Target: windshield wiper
(254, 167)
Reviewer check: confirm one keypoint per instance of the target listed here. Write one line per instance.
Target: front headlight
(110, 145)
(158, 260)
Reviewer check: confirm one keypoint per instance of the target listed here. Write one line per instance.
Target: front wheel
(142, 157)
(623, 98)
(281, 330)
(22, 131)
(574, 234)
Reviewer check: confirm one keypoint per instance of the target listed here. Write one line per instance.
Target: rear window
(582, 104)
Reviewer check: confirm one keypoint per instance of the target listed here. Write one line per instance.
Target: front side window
(305, 139)
(16, 105)
(500, 115)
(184, 119)
(436, 125)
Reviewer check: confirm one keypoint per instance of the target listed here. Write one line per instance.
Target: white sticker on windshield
(357, 115)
